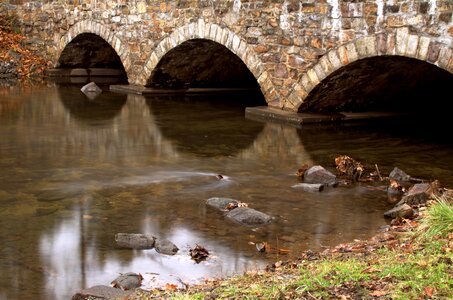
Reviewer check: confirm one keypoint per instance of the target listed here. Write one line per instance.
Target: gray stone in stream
(101, 292)
(91, 90)
(220, 203)
(127, 281)
(399, 175)
(319, 175)
(309, 187)
(418, 194)
(135, 240)
(402, 211)
(248, 216)
(164, 246)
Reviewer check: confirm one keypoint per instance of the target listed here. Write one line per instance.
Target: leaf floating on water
(198, 253)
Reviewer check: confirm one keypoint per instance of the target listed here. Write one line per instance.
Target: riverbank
(409, 259)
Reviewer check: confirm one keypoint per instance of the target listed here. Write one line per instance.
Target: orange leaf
(429, 291)
(171, 286)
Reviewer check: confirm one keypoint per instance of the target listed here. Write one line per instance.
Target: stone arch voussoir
(88, 26)
(218, 34)
(401, 43)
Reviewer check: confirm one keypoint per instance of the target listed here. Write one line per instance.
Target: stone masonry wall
(288, 45)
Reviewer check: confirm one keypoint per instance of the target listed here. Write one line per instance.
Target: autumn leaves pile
(17, 59)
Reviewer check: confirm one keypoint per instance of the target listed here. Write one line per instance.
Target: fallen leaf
(170, 286)
(371, 270)
(429, 291)
(378, 293)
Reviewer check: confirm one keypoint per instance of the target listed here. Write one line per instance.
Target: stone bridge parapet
(289, 46)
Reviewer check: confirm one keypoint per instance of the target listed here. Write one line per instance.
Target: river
(74, 172)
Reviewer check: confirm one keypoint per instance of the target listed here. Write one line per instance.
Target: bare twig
(379, 173)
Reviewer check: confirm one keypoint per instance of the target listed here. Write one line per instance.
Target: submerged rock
(248, 216)
(309, 187)
(101, 292)
(221, 203)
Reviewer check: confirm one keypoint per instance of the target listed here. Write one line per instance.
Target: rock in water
(135, 240)
(91, 90)
(128, 281)
(164, 246)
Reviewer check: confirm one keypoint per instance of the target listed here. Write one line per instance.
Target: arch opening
(89, 55)
(384, 83)
(201, 63)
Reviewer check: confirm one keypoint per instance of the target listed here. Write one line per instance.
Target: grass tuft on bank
(411, 261)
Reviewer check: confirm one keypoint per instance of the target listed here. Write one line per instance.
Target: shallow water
(73, 172)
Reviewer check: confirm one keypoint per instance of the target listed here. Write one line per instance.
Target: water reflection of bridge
(138, 119)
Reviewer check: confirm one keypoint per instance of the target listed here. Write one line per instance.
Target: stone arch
(400, 43)
(88, 26)
(221, 35)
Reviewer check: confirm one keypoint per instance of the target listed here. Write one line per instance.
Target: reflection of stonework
(289, 46)
(274, 140)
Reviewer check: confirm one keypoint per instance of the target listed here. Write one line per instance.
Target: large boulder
(248, 216)
(319, 175)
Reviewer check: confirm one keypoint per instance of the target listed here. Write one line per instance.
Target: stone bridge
(294, 51)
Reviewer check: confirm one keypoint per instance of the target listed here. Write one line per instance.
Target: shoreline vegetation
(410, 259)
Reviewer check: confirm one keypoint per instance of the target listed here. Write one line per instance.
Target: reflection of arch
(198, 129)
(87, 26)
(104, 108)
(221, 35)
(402, 44)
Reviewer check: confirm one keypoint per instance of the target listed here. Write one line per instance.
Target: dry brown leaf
(170, 286)
(378, 293)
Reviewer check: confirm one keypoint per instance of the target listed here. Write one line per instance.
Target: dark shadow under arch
(201, 63)
(383, 83)
(89, 51)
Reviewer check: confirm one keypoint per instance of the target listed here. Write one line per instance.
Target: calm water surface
(74, 171)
